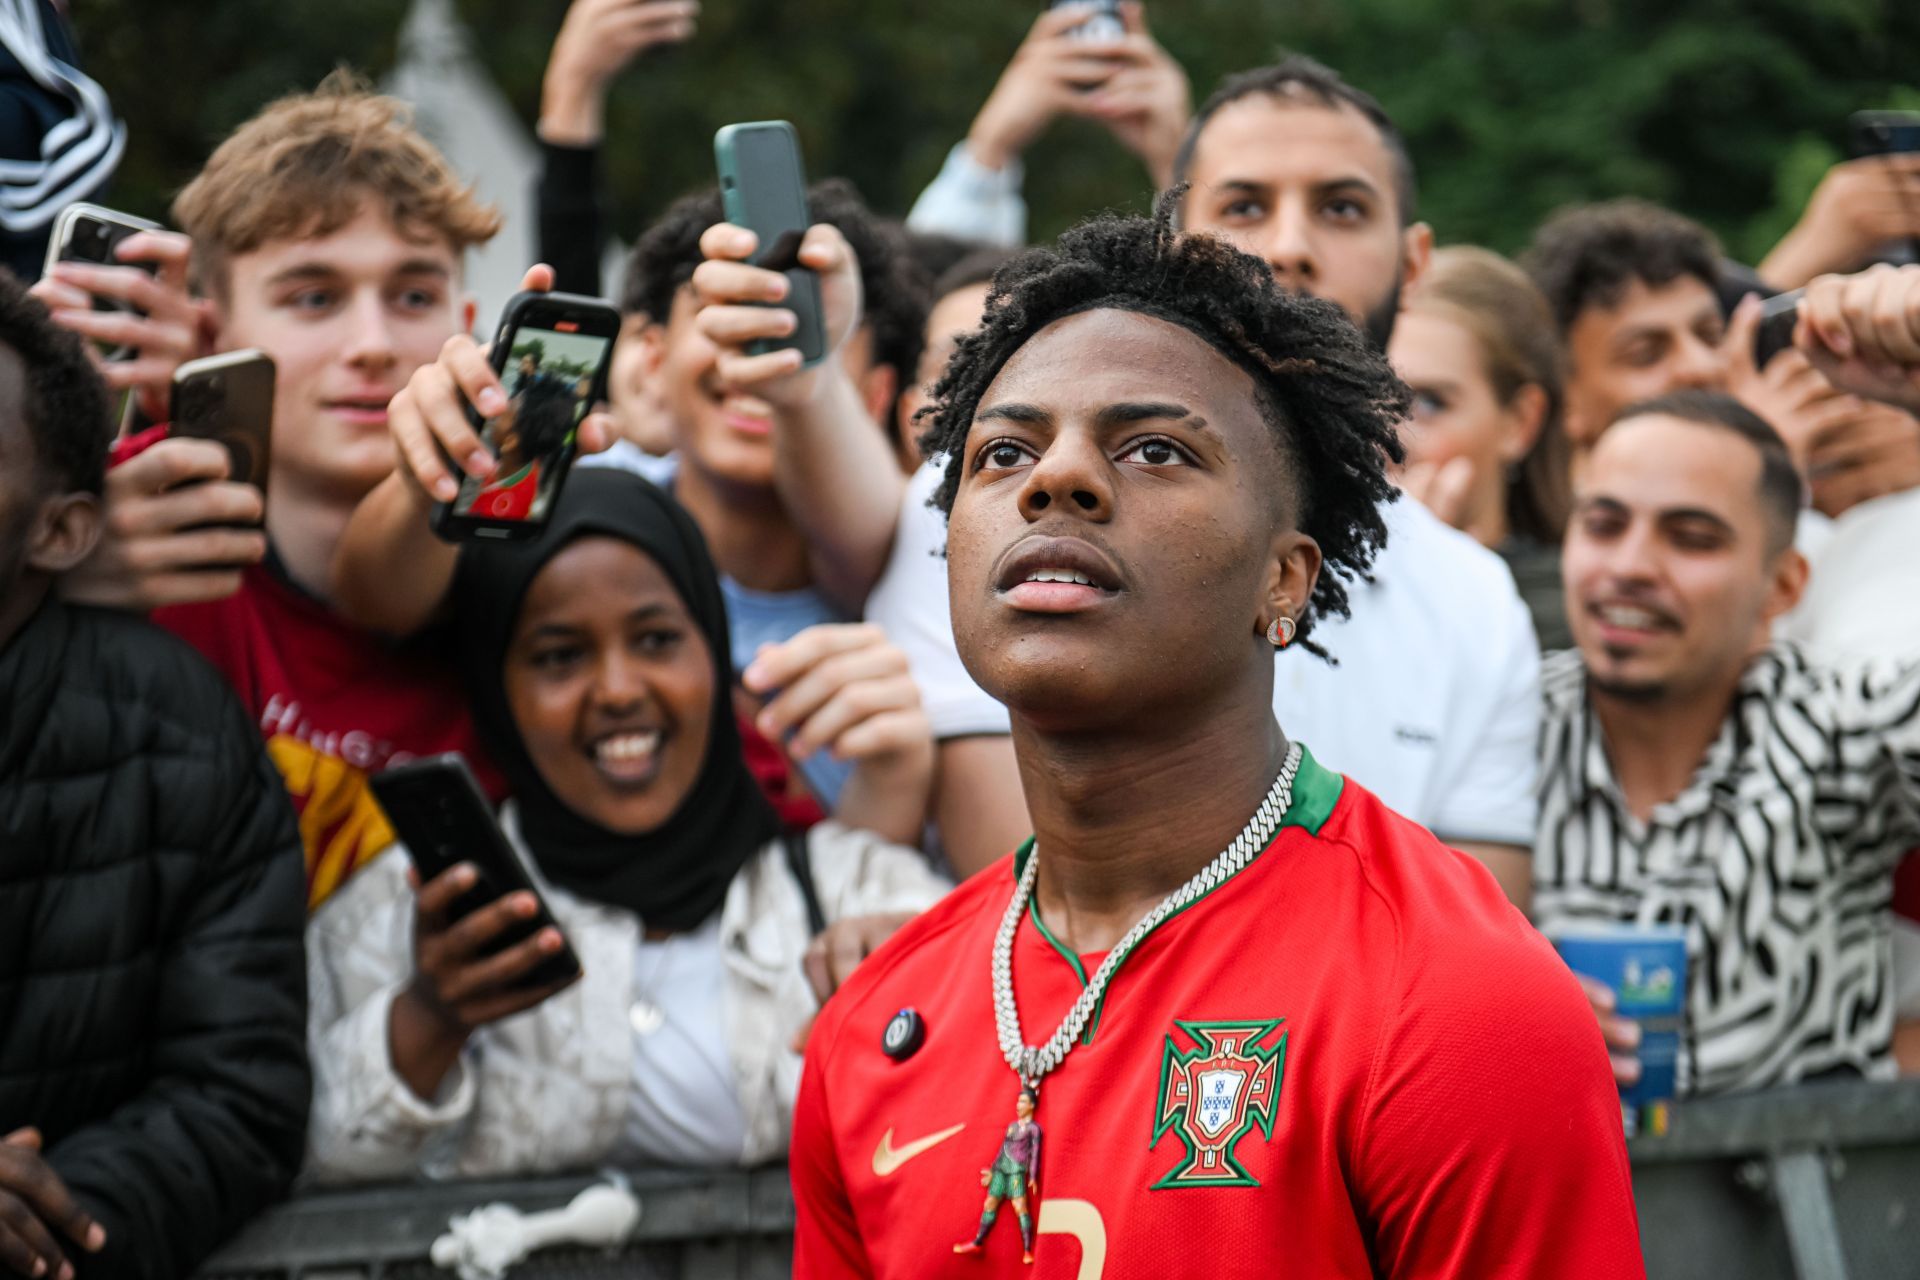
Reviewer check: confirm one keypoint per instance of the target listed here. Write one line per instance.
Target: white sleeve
(969, 201)
(367, 1124)
(910, 604)
(1491, 797)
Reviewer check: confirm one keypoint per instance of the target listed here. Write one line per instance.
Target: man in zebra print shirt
(1696, 773)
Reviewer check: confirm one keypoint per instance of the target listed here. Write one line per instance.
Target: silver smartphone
(92, 234)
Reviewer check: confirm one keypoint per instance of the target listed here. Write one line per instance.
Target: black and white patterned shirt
(1777, 859)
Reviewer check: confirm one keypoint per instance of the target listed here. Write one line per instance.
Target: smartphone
(551, 352)
(1779, 316)
(439, 812)
(88, 233)
(763, 187)
(229, 398)
(1880, 133)
(1103, 22)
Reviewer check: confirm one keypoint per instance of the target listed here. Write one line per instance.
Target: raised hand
(428, 418)
(739, 306)
(1863, 332)
(844, 688)
(597, 40)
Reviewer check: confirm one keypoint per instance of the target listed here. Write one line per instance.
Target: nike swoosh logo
(887, 1157)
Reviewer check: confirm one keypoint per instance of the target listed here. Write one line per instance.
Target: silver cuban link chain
(1031, 1062)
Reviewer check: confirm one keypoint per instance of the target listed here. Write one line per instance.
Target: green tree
(1728, 110)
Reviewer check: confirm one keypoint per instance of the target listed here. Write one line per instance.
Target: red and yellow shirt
(1354, 1058)
(336, 704)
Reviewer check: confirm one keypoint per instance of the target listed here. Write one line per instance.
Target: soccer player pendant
(1013, 1176)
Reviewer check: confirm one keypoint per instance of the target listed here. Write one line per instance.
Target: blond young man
(328, 233)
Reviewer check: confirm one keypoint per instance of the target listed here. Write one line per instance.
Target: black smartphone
(551, 352)
(763, 187)
(1779, 316)
(91, 234)
(229, 398)
(439, 812)
(1103, 23)
(1881, 133)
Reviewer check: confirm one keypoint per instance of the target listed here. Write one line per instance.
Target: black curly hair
(62, 400)
(1589, 255)
(893, 286)
(1329, 397)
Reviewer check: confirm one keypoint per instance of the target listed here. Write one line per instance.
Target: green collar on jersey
(1316, 790)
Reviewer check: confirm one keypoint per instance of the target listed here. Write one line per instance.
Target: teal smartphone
(763, 187)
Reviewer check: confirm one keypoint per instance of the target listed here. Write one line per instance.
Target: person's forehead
(1295, 140)
(1680, 302)
(369, 246)
(1107, 356)
(613, 564)
(957, 312)
(1654, 462)
(1430, 341)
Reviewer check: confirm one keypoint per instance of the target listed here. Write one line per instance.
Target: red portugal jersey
(1355, 1058)
(335, 703)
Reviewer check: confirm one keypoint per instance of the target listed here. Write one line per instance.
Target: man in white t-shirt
(1434, 701)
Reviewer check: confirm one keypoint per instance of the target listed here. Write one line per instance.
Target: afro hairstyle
(1329, 397)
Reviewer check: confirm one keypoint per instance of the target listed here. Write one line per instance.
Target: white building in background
(457, 105)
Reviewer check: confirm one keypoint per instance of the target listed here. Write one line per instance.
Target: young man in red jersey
(328, 233)
(1264, 1017)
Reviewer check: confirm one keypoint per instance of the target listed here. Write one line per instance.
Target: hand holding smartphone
(91, 234)
(551, 353)
(228, 399)
(442, 817)
(763, 187)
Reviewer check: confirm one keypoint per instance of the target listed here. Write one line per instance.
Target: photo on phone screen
(550, 377)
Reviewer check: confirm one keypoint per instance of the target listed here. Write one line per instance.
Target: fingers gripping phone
(88, 233)
(551, 352)
(1779, 316)
(763, 187)
(442, 816)
(229, 398)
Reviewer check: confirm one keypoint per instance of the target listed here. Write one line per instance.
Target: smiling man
(328, 234)
(1256, 1013)
(1696, 773)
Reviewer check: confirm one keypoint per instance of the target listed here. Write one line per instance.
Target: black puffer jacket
(152, 974)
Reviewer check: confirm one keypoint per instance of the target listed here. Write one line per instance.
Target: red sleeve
(826, 1239)
(1492, 1143)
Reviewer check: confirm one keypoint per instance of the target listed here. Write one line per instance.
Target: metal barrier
(1820, 1182)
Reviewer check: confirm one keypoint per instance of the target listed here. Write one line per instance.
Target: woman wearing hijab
(596, 656)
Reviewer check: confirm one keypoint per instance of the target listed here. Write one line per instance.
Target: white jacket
(546, 1090)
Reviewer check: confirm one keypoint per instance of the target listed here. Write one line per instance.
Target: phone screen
(549, 380)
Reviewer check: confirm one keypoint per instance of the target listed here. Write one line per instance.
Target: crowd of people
(1240, 637)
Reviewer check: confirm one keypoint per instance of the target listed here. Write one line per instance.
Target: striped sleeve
(77, 154)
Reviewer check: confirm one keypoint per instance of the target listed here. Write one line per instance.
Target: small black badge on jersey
(904, 1035)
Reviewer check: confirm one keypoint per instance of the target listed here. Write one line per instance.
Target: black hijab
(674, 877)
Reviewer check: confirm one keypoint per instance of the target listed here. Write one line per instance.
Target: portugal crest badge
(1214, 1094)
